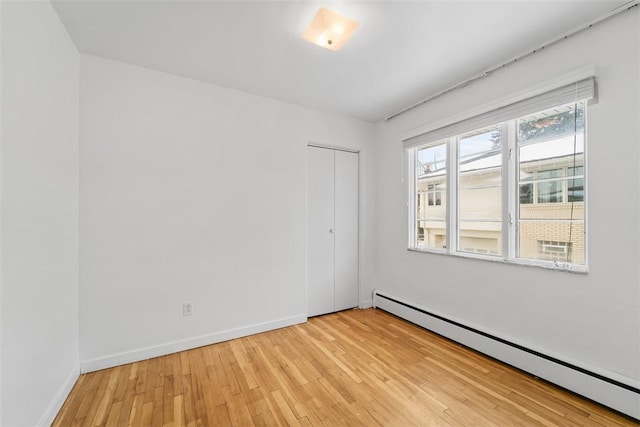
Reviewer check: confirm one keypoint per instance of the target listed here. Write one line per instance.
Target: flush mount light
(329, 29)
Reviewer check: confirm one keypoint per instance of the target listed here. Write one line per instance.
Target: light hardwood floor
(358, 367)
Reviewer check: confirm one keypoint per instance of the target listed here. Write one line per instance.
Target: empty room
(392, 213)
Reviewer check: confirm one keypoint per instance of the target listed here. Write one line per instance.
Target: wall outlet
(187, 308)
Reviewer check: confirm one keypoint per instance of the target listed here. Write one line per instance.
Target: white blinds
(581, 90)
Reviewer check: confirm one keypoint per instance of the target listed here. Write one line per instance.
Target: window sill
(569, 268)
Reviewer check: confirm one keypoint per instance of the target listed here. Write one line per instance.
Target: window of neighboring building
(434, 194)
(512, 190)
(575, 185)
(552, 186)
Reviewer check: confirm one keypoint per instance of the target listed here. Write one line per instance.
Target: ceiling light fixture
(329, 29)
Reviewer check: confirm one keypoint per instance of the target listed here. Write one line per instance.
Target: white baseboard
(605, 387)
(54, 407)
(365, 304)
(186, 344)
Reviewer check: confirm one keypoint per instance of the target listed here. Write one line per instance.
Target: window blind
(578, 91)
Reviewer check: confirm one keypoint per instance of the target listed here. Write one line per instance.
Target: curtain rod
(623, 8)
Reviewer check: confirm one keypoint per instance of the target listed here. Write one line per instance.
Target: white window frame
(510, 192)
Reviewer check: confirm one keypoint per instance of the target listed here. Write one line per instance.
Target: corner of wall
(49, 416)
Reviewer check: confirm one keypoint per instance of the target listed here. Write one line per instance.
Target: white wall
(193, 192)
(39, 222)
(592, 319)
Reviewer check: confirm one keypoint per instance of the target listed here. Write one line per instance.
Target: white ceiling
(402, 52)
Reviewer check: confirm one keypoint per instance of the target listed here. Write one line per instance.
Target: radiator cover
(614, 393)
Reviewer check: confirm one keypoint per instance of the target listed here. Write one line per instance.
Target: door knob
(331, 230)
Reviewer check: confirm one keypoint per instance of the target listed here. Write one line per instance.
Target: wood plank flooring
(358, 367)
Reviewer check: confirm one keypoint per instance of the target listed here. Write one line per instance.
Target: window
(430, 214)
(551, 186)
(480, 191)
(575, 185)
(434, 194)
(551, 160)
(508, 185)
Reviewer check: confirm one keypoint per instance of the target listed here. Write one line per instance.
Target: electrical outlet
(187, 309)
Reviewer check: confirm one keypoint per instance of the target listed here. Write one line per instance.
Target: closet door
(332, 230)
(346, 231)
(320, 214)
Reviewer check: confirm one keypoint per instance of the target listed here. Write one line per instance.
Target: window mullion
(565, 185)
(411, 197)
(452, 195)
(510, 192)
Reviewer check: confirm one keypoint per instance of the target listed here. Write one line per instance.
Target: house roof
(533, 151)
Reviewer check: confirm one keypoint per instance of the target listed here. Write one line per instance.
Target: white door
(332, 230)
(320, 200)
(346, 231)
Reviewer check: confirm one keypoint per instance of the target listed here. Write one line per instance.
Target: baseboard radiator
(615, 393)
